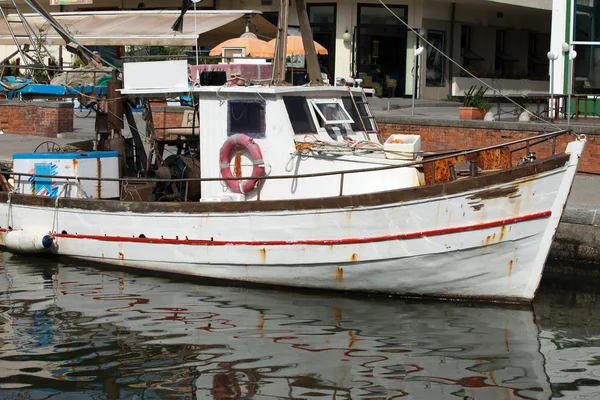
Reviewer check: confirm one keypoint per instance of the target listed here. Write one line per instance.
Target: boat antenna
(496, 91)
(196, 28)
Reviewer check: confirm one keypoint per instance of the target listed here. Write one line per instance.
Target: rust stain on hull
(489, 240)
(354, 257)
(502, 232)
(263, 255)
(121, 256)
(510, 267)
(338, 314)
(339, 274)
(261, 321)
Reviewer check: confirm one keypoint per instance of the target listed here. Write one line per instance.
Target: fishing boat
(295, 187)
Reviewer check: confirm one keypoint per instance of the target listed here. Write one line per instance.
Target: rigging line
(59, 29)
(466, 71)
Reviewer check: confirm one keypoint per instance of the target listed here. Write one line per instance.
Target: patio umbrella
(253, 45)
(295, 45)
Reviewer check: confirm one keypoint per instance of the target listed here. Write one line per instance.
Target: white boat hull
(489, 241)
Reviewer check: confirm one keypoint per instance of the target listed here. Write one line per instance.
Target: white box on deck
(153, 75)
(98, 164)
(402, 147)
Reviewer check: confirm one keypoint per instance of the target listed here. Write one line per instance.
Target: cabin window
(299, 113)
(247, 117)
(332, 112)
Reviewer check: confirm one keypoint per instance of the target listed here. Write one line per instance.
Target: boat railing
(527, 144)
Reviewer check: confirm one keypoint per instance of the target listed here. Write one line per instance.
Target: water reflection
(68, 328)
(567, 313)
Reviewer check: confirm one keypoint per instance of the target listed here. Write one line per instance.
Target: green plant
(40, 76)
(10, 71)
(476, 98)
(78, 63)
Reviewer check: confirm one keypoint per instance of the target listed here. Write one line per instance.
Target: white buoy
(524, 117)
(28, 242)
(489, 116)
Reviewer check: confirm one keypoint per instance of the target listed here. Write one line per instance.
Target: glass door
(381, 49)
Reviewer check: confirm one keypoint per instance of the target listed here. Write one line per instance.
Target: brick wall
(36, 118)
(166, 120)
(436, 137)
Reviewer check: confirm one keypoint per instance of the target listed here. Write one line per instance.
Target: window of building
(322, 18)
(321, 14)
(332, 112)
(585, 72)
(374, 14)
(465, 37)
(271, 16)
(465, 44)
(499, 62)
(299, 114)
(435, 73)
(379, 49)
(247, 117)
(537, 62)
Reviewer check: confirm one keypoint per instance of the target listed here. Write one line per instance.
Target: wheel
(48, 147)
(82, 112)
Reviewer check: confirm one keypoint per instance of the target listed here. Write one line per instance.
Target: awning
(143, 28)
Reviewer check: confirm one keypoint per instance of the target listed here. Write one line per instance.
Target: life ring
(226, 154)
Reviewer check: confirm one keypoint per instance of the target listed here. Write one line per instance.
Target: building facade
(496, 39)
(576, 22)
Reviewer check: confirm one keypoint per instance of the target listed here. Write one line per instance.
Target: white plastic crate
(402, 147)
(98, 164)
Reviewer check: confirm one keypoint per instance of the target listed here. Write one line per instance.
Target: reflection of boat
(222, 341)
(298, 189)
(568, 317)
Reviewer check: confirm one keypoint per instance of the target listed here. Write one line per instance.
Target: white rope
(55, 217)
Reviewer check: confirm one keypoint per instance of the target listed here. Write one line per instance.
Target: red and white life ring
(226, 154)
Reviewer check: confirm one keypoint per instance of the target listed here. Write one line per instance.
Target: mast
(279, 60)
(312, 64)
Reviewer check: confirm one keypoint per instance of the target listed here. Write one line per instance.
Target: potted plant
(475, 105)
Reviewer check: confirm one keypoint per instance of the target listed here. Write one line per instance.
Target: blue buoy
(47, 241)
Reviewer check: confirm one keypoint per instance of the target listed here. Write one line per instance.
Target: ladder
(36, 42)
(368, 111)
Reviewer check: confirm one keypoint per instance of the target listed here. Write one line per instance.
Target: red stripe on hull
(412, 235)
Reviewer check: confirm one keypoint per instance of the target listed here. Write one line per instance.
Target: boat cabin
(295, 131)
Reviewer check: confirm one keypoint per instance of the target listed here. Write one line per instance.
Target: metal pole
(196, 31)
(551, 105)
(569, 86)
(570, 65)
(414, 91)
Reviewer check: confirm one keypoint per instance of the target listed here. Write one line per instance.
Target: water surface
(74, 331)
